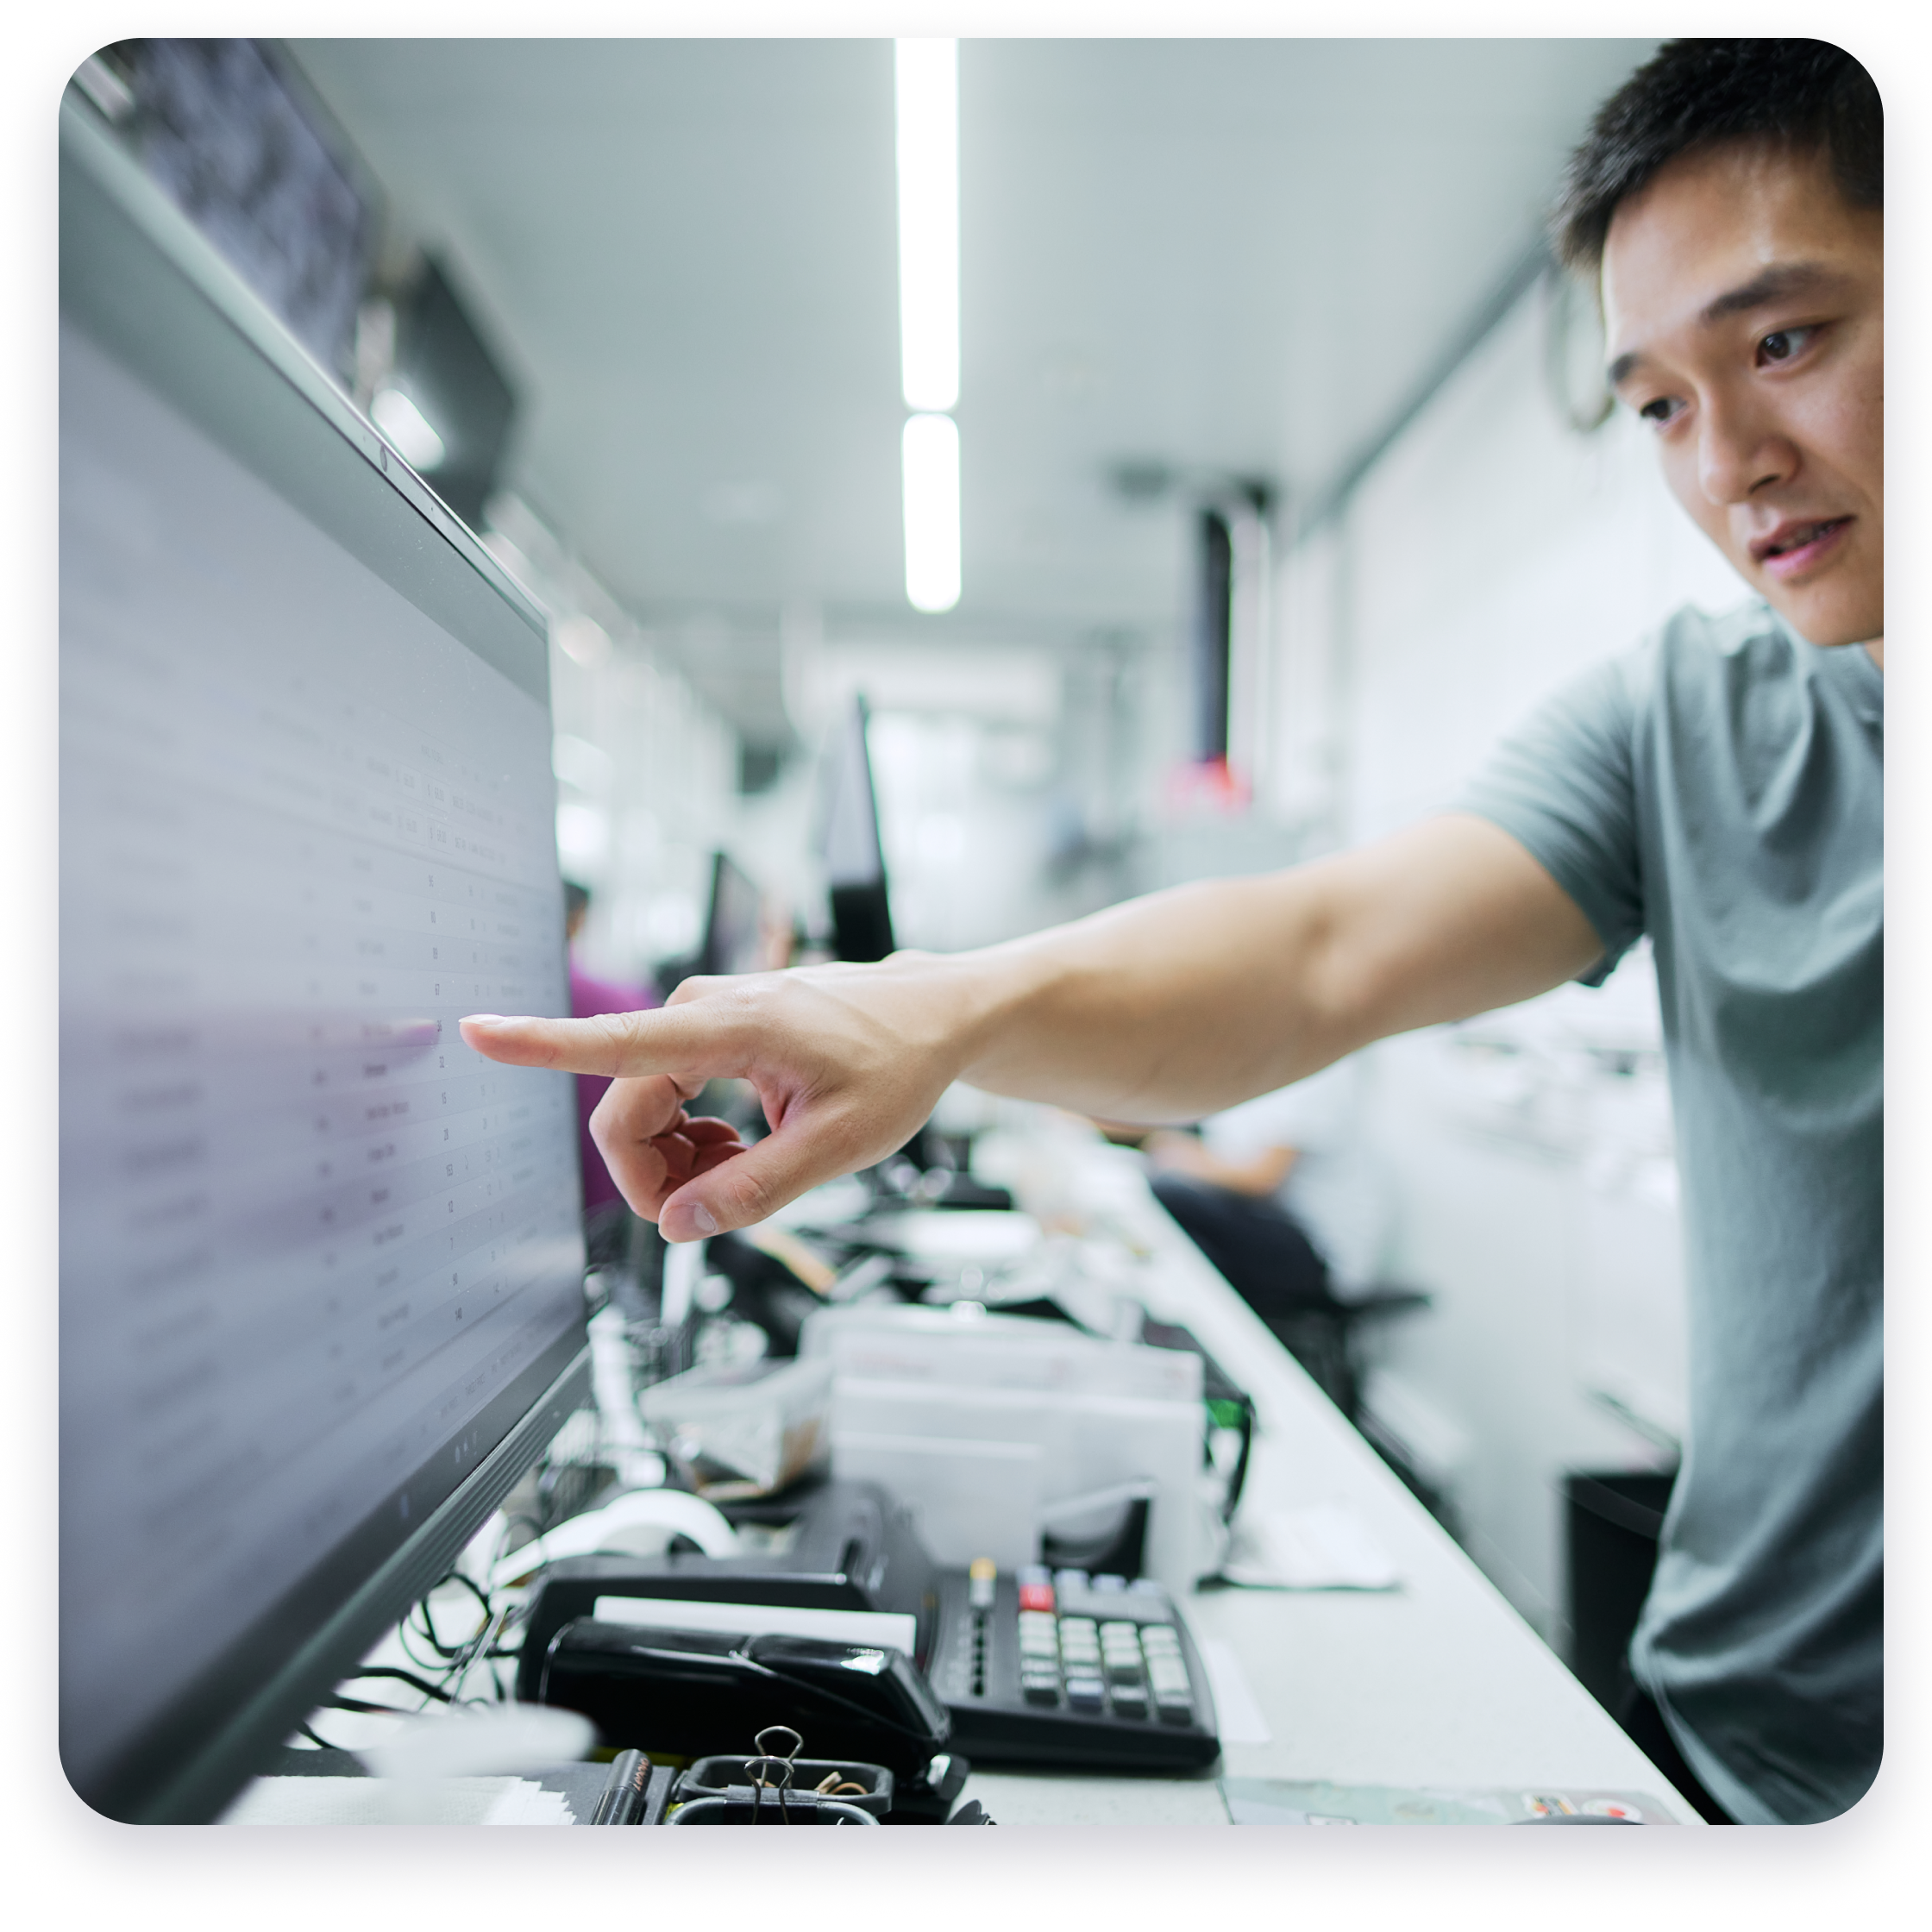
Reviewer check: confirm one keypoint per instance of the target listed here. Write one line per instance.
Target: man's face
(1743, 305)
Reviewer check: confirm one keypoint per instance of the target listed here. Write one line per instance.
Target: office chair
(1325, 1338)
(1268, 1260)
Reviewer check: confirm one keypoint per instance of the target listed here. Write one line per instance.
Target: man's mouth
(1798, 544)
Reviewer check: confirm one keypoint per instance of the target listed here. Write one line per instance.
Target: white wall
(647, 770)
(640, 830)
(1491, 554)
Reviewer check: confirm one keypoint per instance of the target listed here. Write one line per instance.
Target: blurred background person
(1281, 1195)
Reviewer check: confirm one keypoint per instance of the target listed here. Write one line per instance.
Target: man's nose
(1739, 453)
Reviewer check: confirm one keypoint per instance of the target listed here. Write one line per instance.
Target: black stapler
(685, 1693)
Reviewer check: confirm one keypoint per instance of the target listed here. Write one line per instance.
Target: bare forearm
(1174, 1006)
(1163, 1009)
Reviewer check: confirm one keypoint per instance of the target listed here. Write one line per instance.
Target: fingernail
(702, 1218)
(482, 1019)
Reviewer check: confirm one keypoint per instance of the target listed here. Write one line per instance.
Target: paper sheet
(1238, 1717)
(1319, 1546)
(1278, 1801)
(383, 1801)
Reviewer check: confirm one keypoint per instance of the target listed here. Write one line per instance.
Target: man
(1720, 790)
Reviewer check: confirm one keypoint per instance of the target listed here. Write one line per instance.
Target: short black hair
(1807, 95)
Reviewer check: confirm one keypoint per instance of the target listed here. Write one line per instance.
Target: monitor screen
(734, 927)
(320, 1281)
(854, 859)
(215, 123)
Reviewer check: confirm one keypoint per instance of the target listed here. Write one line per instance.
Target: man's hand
(847, 1062)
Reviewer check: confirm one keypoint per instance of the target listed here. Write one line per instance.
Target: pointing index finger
(617, 1045)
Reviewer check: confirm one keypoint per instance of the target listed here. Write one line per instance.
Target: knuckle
(750, 1195)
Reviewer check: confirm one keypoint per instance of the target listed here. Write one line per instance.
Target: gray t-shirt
(1722, 789)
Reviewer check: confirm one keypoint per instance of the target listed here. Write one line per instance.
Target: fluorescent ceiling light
(405, 425)
(931, 449)
(926, 74)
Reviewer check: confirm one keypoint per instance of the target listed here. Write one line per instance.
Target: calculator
(1059, 1667)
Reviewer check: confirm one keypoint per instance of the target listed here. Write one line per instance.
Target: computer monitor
(321, 1270)
(734, 925)
(854, 860)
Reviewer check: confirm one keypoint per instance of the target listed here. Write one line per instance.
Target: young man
(1720, 790)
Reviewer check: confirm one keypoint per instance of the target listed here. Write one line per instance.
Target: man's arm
(1164, 1008)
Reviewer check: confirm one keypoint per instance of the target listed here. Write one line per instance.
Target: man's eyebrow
(1775, 284)
(1772, 284)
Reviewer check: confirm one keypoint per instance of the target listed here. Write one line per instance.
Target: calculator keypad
(1135, 1669)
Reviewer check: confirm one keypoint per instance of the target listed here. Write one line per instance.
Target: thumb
(810, 1146)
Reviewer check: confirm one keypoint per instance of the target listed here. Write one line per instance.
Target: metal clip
(759, 1766)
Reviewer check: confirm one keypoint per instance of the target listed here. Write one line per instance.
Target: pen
(623, 1796)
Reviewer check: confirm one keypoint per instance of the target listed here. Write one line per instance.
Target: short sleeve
(1564, 786)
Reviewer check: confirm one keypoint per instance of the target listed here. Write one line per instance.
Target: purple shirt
(589, 998)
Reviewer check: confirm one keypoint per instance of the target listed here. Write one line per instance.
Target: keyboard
(1058, 1667)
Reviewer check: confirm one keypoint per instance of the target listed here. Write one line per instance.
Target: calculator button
(1129, 1701)
(1175, 1711)
(1035, 1597)
(1040, 1690)
(1085, 1693)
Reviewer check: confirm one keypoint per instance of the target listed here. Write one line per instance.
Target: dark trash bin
(1611, 1519)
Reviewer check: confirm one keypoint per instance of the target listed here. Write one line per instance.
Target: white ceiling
(1232, 256)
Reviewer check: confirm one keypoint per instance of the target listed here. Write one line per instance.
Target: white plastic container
(747, 1430)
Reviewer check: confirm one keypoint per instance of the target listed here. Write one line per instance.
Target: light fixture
(405, 425)
(927, 85)
(931, 453)
(925, 76)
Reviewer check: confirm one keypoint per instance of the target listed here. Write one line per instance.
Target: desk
(1439, 1683)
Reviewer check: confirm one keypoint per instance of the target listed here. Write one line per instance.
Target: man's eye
(1660, 410)
(1782, 344)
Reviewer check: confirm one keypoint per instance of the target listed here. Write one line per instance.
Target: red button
(1036, 1596)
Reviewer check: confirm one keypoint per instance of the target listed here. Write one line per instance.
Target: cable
(410, 1678)
(474, 1588)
